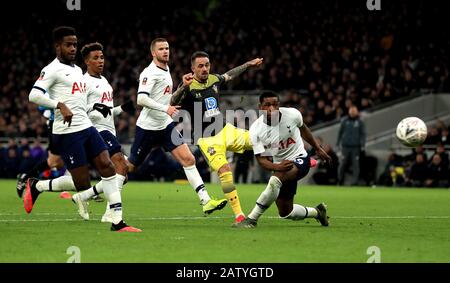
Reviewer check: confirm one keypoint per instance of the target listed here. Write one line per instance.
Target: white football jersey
(65, 83)
(99, 90)
(157, 84)
(282, 141)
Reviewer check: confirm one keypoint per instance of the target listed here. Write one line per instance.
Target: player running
(73, 134)
(101, 112)
(155, 126)
(199, 95)
(278, 133)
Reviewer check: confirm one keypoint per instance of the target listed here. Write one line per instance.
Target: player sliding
(278, 133)
(77, 140)
(155, 126)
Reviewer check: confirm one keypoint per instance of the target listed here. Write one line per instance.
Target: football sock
(92, 191)
(197, 184)
(112, 194)
(266, 198)
(226, 181)
(39, 168)
(301, 212)
(63, 183)
(120, 180)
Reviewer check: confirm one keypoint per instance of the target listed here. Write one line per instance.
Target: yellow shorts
(229, 139)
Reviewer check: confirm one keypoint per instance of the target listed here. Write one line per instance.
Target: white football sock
(120, 180)
(92, 191)
(301, 212)
(267, 197)
(197, 184)
(63, 183)
(112, 194)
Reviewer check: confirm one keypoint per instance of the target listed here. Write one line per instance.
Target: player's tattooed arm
(233, 73)
(180, 93)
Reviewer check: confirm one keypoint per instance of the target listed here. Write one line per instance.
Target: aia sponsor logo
(107, 96)
(285, 144)
(167, 90)
(78, 87)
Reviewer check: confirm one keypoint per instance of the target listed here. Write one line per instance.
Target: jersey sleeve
(221, 79)
(45, 81)
(146, 83)
(258, 146)
(297, 116)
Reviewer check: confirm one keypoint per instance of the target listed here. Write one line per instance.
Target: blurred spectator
(440, 150)
(351, 141)
(327, 174)
(418, 172)
(433, 136)
(26, 161)
(243, 162)
(437, 173)
(394, 172)
(445, 138)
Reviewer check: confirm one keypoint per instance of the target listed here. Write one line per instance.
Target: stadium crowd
(323, 57)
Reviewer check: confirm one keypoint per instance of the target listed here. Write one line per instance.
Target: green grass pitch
(407, 225)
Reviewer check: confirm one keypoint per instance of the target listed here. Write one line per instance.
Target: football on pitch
(411, 131)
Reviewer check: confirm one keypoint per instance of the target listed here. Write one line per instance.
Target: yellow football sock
(226, 180)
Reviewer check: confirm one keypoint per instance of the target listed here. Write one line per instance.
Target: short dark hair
(87, 48)
(60, 32)
(198, 54)
(266, 94)
(156, 40)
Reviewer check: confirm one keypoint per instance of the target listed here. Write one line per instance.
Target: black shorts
(168, 138)
(111, 142)
(289, 188)
(52, 148)
(79, 148)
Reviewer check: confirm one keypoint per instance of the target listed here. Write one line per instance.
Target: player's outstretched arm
(308, 137)
(180, 93)
(231, 74)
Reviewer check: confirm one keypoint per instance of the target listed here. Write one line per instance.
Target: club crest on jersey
(41, 76)
(80, 87)
(144, 81)
(211, 150)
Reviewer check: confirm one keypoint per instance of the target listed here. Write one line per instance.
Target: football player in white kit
(155, 126)
(278, 134)
(77, 140)
(101, 111)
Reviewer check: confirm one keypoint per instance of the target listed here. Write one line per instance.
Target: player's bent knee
(224, 169)
(54, 161)
(188, 161)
